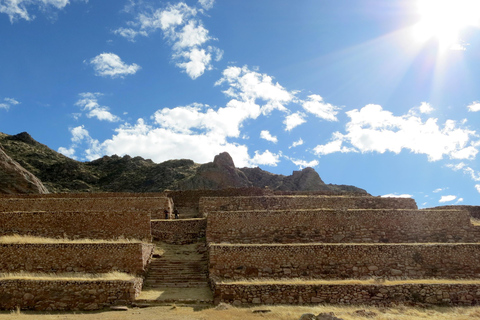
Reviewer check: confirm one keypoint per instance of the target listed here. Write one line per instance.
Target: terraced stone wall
(353, 294)
(182, 231)
(345, 261)
(75, 257)
(341, 226)
(209, 204)
(154, 205)
(66, 295)
(78, 224)
(190, 198)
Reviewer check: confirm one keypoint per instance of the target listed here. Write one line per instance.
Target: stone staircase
(177, 274)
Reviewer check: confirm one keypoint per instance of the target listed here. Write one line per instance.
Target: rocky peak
(16, 179)
(223, 160)
(24, 137)
(306, 179)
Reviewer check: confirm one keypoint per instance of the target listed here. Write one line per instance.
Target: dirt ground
(221, 312)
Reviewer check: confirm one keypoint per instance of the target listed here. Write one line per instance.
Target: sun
(444, 20)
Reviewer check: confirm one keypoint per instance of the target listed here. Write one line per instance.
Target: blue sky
(378, 94)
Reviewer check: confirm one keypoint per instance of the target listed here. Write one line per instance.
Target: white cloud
(372, 129)
(425, 108)
(18, 9)
(394, 195)
(303, 163)
(196, 61)
(474, 175)
(206, 4)
(130, 33)
(250, 85)
(183, 30)
(266, 158)
(477, 186)
(89, 102)
(80, 135)
(448, 198)
(294, 120)
(110, 65)
(265, 134)
(319, 108)
(297, 143)
(438, 190)
(474, 107)
(8, 102)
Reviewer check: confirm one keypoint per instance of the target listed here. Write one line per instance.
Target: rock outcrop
(16, 179)
(135, 174)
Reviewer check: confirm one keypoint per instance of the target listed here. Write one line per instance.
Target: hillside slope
(126, 174)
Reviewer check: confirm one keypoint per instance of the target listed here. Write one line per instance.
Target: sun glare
(444, 20)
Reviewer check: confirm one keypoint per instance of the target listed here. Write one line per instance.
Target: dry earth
(173, 312)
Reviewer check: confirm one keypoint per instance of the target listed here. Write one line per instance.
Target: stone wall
(209, 204)
(53, 295)
(181, 231)
(78, 224)
(345, 226)
(349, 261)
(413, 294)
(75, 257)
(190, 198)
(154, 205)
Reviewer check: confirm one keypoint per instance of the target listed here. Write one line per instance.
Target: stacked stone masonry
(179, 231)
(348, 294)
(154, 205)
(209, 204)
(46, 295)
(341, 226)
(79, 224)
(349, 261)
(75, 257)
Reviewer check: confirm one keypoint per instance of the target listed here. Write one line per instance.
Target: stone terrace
(71, 217)
(340, 249)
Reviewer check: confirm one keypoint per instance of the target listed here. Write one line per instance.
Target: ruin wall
(345, 261)
(55, 295)
(209, 204)
(154, 205)
(341, 226)
(181, 231)
(349, 294)
(78, 224)
(75, 257)
(190, 198)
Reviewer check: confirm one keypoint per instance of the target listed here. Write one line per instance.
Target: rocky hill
(126, 174)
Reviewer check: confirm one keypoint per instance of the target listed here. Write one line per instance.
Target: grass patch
(67, 276)
(21, 239)
(475, 222)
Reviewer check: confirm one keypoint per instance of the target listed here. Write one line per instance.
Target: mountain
(15, 179)
(126, 174)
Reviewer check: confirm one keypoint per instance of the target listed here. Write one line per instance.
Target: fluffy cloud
(303, 163)
(319, 108)
(477, 186)
(474, 175)
(247, 85)
(80, 135)
(18, 9)
(266, 158)
(183, 30)
(88, 102)
(8, 102)
(372, 129)
(206, 4)
(110, 65)
(297, 143)
(448, 198)
(265, 134)
(294, 120)
(474, 107)
(425, 108)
